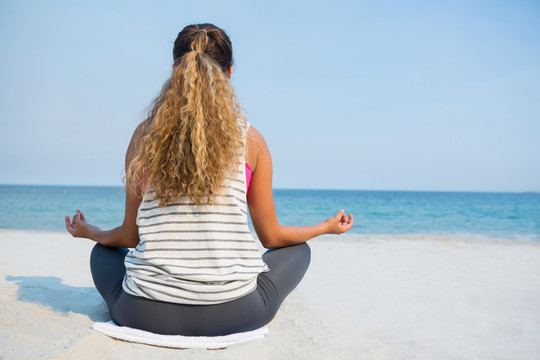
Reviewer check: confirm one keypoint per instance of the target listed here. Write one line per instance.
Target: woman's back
(195, 254)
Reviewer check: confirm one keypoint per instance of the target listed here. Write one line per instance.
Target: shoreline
(441, 237)
(365, 297)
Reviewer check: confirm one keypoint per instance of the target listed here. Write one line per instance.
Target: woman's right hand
(78, 227)
(339, 223)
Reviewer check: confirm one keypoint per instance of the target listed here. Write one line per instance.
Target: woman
(195, 269)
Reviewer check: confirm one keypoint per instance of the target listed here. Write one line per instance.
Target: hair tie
(198, 40)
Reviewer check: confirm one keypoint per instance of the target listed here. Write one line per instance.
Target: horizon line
(313, 189)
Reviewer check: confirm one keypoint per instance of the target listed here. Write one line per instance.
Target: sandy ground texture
(364, 297)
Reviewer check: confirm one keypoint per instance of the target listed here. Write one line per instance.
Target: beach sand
(364, 297)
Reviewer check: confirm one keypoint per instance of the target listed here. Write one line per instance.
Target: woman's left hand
(339, 223)
(78, 227)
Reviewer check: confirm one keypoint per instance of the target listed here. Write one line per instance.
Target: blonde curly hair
(193, 135)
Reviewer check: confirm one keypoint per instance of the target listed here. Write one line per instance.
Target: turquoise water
(495, 215)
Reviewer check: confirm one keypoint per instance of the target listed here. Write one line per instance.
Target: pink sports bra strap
(248, 176)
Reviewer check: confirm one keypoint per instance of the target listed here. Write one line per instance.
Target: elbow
(133, 242)
(265, 242)
(270, 237)
(268, 245)
(130, 236)
(269, 242)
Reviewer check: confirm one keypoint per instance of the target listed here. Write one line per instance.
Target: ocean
(514, 216)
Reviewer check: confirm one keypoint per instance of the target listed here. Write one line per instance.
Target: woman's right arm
(126, 235)
(261, 204)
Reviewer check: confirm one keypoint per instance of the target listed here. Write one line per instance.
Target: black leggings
(287, 267)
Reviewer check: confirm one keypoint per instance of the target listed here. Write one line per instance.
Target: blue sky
(386, 95)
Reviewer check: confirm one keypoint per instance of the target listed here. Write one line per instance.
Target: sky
(363, 95)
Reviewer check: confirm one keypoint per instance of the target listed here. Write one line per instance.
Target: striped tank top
(195, 254)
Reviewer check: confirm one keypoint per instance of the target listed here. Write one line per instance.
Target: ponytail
(193, 135)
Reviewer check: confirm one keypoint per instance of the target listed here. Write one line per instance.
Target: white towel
(177, 341)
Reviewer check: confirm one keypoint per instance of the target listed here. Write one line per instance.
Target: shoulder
(255, 137)
(255, 141)
(134, 140)
(257, 149)
(139, 130)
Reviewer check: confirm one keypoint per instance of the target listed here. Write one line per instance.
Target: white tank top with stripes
(195, 254)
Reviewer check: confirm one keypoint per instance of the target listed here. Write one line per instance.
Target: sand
(364, 297)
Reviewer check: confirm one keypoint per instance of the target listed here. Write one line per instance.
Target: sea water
(513, 216)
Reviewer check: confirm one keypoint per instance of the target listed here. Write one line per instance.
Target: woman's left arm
(126, 235)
